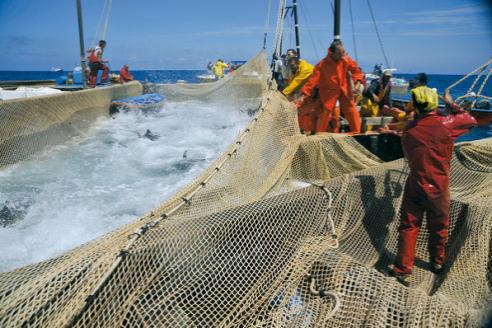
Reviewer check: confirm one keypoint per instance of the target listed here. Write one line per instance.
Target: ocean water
(438, 81)
(82, 190)
(156, 76)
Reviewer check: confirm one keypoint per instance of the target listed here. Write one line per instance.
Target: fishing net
(32, 125)
(282, 230)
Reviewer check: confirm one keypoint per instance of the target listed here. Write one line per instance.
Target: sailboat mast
(296, 27)
(81, 40)
(336, 27)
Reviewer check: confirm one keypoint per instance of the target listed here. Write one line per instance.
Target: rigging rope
(479, 72)
(279, 28)
(267, 23)
(353, 31)
(106, 22)
(377, 33)
(303, 12)
(101, 29)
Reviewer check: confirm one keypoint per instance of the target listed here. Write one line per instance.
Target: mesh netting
(282, 230)
(31, 125)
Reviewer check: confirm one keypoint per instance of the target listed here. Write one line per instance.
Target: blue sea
(441, 82)
(155, 76)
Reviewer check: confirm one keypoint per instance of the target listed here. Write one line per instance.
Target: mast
(296, 27)
(81, 40)
(336, 27)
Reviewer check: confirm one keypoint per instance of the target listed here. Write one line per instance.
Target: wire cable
(353, 31)
(377, 33)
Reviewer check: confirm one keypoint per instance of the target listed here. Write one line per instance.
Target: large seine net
(31, 125)
(282, 230)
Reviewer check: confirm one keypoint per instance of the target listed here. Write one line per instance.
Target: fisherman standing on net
(331, 82)
(96, 63)
(428, 143)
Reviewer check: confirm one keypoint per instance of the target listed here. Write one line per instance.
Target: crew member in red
(428, 143)
(125, 75)
(96, 63)
(332, 77)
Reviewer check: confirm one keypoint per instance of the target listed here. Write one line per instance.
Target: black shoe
(436, 267)
(402, 278)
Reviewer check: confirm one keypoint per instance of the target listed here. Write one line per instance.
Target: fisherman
(286, 71)
(210, 67)
(219, 69)
(377, 99)
(428, 143)
(301, 70)
(332, 80)
(290, 54)
(96, 63)
(420, 80)
(376, 95)
(278, 64)
(125, 75)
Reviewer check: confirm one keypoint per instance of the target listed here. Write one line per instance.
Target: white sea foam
(77, 193)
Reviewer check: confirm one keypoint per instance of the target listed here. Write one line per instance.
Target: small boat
(145, 102)
(205, 78)
(56, 69)
(399, 85)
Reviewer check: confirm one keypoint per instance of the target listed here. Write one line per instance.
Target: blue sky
(438, 36)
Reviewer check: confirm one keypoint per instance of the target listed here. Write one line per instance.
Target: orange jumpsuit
(125, 75)
(332, 79)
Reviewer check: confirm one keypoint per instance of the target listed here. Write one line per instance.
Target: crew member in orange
(331, 79)
(125, 75)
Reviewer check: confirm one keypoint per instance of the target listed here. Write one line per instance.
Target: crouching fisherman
(125, 75)
(301, 71)
(377, 101)
(428, 143)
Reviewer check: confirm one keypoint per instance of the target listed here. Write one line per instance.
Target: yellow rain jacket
(303, 73)
(219, 69)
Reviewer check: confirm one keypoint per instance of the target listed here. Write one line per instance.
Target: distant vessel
(205, 78)
(56, 69)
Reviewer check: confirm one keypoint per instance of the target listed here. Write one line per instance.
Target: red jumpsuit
(428, 146)
(332, 79)
(125, 75)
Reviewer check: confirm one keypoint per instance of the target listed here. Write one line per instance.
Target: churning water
(120, 171)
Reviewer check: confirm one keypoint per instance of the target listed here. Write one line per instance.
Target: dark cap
(420, 78)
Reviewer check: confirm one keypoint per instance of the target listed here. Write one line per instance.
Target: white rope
(482, 68)
(279, 28)
(267, 20)
(106, 22)
(102, 28)
(480, 72)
